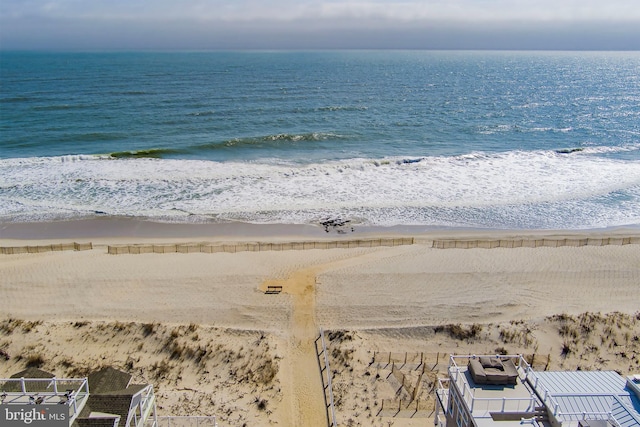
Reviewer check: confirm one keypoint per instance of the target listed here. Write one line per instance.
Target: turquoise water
(461, 139)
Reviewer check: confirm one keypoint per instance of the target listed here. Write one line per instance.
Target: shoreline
(133, 230)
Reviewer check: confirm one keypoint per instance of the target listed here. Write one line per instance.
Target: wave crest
(153, 153)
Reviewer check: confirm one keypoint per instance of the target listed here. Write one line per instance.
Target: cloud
(215, 24)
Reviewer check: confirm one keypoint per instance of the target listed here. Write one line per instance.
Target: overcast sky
(312, 24)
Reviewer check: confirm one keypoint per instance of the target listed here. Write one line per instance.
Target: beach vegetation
(34, 360)
(161, 369)
(501, 350)
(66, 362)
(460, 332)
(8, 326)
(267, 371)
(27, 326)
(566, 349)
(148, 329)
(261, 403)
(119, 326)
(339, 336)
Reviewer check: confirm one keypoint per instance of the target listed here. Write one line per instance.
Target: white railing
(481, 406)
(567, 417)
(142, 405)
(70, 391)
(442, 395)
(186, 421)
(554, 407)
(485, 406)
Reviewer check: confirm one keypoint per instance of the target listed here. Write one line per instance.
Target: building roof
(591, 392)
(33, 373)
(110, 393)
(108, 380)
(581, 382)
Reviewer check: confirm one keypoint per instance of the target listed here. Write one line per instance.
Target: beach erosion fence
(304, 245)
(14, 250)
(412, 377)
(533, 243)
(255, 247)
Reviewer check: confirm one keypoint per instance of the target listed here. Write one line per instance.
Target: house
(505, 391)
(113, 401)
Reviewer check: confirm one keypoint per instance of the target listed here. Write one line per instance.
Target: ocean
(489, 140)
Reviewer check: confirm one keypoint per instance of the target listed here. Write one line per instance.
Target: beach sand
(202, 330)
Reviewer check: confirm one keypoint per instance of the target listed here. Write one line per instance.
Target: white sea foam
(528, 189)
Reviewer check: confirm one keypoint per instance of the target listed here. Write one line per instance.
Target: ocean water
(499, 140)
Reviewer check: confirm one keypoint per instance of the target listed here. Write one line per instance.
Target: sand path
(301, 380)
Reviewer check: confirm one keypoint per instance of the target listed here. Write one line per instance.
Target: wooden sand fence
(408, 388)
(400, 408)
(326, 374)
(14, 250)
(404, 360)
(533, 243)
(255, 246)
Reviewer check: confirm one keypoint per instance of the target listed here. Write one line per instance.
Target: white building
(505, 391)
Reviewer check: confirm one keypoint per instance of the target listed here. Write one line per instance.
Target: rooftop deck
(72, 392)
(567, 398)
(486, 401)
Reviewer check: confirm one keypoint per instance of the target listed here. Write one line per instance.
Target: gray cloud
(289, 24)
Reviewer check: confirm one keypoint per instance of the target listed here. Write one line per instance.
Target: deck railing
(482, 407)
(72, 392)
(142, 406)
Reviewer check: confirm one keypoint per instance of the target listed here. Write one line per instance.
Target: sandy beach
(151, 313)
